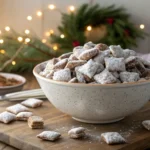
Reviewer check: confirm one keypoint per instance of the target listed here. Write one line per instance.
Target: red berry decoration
(75, 43)
(110, 21)
(126, 32)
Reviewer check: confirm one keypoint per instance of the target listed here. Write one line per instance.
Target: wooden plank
(19, 135)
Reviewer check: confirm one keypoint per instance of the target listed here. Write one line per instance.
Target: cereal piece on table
(72, 57)
(23, 116)
(129, 76)
(77, 51)
(15, 109)
(62, 75)
(88, 54)
(105, 77)
(76, 133)
(79, 75)
(89, 45)
(146, 124)
(49, 135)
(66, 55)
(74, 63)
(113, 138)
(7, 117)
(115, 64)
(90, 68)
(35, 122)
(101, 56)
(128, 52)
(32, 102)
(73, 80)
(50, 74)
(101, 46)
(61, 64)
(116, 51)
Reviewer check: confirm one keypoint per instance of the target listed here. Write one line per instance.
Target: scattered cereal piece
(88, 54)
(76, 133)
(61, 64)
(66, 55)
(90, 68)
(74, 63)
(32, 102)
(115, 64)
(89, 45)
(23, 116)
(105, 77)
(49, 135)
(101, 47)
(116, 51)
(36, 122)
(129, 76)
(113, 138)
(62, 75)
(7, 117)
(146, 124)
(73, 80)
(15, 109)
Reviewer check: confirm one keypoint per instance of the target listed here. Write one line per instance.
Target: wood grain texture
(19, 135)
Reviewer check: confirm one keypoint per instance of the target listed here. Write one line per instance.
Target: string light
(89, 28)
(29, 18)
(1, 41)
(142, 26)
(72, 8)
(62, 36)
(47, 33)
(7, 28)
(44, 41)
(27, 40)
(13, 63)
(51, 31)
(51, 6)
(39, 13)
(2, 51)
(55, 47)
(27, 31)
(20, 39)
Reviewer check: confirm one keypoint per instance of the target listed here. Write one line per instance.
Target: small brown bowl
(14, 88)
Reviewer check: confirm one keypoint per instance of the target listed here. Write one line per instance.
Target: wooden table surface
(138, 138)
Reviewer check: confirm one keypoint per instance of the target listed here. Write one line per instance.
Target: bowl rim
(13, 86)
(83, 84)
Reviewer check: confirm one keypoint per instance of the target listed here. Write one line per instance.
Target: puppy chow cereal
(76, 133)
(99, 64)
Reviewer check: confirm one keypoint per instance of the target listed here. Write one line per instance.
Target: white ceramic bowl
(94, 103)
(15, 88)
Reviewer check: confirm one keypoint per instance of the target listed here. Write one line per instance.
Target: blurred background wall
(13, 13)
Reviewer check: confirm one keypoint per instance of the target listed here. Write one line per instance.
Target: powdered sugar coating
(116, 51)
(146, 124)
(76, 132)
(61, 64)
(79, 75)
(128, 52)
(62, 75)
(78, 50)
(49, 135)
(32, 102)
(74, 63)
(113, 138)
(7, 117)
(115, 64)
(101, 46)
(89, 45)
(15, 109)
(105, 77)
(129, 76)
(89, 68)
(88, 54)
